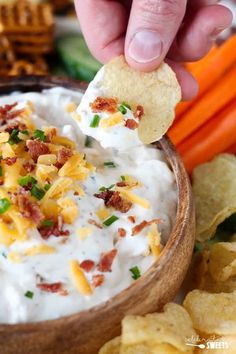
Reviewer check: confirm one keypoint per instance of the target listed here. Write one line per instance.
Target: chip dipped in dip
(78, 222)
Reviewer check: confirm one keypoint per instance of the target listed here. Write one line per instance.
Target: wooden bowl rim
(183, 213)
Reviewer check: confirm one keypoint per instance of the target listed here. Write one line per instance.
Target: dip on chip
(123, 108)
(214, 188)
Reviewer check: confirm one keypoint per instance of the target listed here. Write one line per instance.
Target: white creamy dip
(157, 185)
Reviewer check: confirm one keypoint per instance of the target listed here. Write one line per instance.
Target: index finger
(103, 24)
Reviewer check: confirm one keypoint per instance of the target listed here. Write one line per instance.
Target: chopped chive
(14, 139)
(95, 121)
(103, 189)
(88, 141)
(47, 186)
(4, 205)
(122, 178)
(29, 294)
(39, 134)
(135, 272)
(122, 109)
(110, 164)
(110, 220)
(37, 192)
(25, 132)
(0, 171)
(47, 223)
(126, 105)
(27, 181)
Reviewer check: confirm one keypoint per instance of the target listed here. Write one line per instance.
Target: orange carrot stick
(208, 70)
(231, 149)
(214, 137)
(206, 107)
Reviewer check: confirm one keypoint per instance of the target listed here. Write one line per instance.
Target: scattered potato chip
(111, 347)
(203, 280)
(212, 313)
(170, 327)
(214, 188)
(158, 92)
(222, 262)
(149, 349)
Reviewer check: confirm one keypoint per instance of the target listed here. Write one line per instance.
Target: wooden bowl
(87, 331)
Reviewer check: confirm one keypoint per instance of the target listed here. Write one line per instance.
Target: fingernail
(145, 46)
(214, 34)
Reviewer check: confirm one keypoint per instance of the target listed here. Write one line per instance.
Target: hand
(148, 31)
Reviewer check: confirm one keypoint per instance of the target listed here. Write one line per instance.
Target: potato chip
(170, 327)
(214, 188)
(111, 347)
(158, 92)
(222, 345)
(222, 262)
(212, 313)
(150, 349)
(203, 280)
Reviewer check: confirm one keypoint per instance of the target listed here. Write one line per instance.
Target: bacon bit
(121, 232)
(132, 219)
(138, 228)
(106, 261)
(113, 199)
(55, 230)
(9, 127)
(10, 160)
(6, 112)
(87, 265)
(29, 166)
(139, 112)
(131, 124)
(95, 223)
(50, 288)
(98, 280)
(37, 148)
(27, 208)
(102, 104)
(122, 184)
(63, 156)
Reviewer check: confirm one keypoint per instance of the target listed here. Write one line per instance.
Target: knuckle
(167, 8)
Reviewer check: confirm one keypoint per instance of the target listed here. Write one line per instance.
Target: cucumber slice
(76, 57)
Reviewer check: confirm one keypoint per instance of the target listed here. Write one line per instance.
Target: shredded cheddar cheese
(69, 210)
(80, 281)
(48, 159)
(84, 232)
(134, 198)
(40, 249)
(4, 137)
(71, 107)
(15, 257)
(154, 241)
(114, 119)
(103, 213)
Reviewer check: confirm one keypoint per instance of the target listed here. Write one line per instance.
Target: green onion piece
(14, 139)
(103, 189)
(37, 192)
(88, 141)
(95, 121)
(0, 171)
(26, 181)
(122, 178)
(122, 109)
(135, 272)
(29, 294)
(4, 205)
(25, 132)
(39, 134)
(47, 186)
(110, 220)
(110, 164)
(126, 105)
(47, 223)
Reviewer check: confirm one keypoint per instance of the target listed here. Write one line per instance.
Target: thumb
(152, 27)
